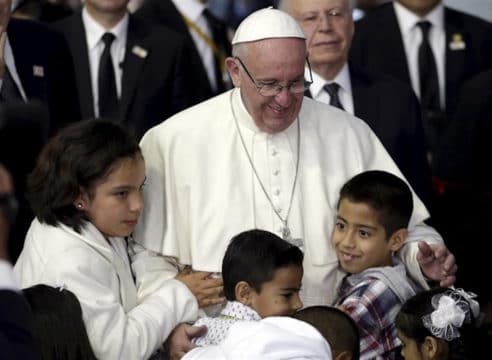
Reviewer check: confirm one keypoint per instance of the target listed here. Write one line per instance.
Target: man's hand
(207, 290)
(179, 342)
(437, 263)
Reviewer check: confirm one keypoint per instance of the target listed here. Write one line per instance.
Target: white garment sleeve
(7, 281)
(115, 332)
(154, 271)
(408, 253)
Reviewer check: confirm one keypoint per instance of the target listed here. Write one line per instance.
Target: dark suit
(16, 337)
(45, 68)
(378, 47)
(463, 165)
(392, 111)
(44, 64)
(165, 13)
(154, 86)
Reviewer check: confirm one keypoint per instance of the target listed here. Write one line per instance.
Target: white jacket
(118, 324)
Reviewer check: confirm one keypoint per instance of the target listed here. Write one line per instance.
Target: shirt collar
(407, 19)
(94, 31)
(192, 9)
(342, 79)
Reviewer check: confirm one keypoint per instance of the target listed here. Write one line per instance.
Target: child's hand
(207, 290)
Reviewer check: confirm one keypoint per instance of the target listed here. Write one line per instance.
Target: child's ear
(81, 200)
(398, 239)
(243, 292)
(431, 347)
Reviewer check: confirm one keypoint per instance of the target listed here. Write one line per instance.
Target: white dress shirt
(193, 10)
(412, 38)
(93, 33)
(10, 64)
(344, 92)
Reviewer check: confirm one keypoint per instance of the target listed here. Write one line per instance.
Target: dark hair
(336, 326)
(254, 256)
(78, 157)
(58, 325)
(473, 336)
(386, 193)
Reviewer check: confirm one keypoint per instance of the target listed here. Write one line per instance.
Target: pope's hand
(437, 263)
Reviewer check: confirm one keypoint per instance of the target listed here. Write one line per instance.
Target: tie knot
(425, 27)
(108, 38)
(332, 89)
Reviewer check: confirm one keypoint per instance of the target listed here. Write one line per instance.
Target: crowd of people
(301, 186)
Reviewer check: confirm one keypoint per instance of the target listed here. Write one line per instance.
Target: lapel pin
(38, 71)
(140, 52)
(457, 42)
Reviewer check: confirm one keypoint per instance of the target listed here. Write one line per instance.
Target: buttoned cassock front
(201, 189)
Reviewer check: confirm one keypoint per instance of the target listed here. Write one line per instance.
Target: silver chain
(256, 173)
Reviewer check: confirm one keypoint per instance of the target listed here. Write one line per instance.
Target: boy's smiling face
(360, 239)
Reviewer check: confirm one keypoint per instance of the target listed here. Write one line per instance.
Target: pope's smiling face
(271, 61)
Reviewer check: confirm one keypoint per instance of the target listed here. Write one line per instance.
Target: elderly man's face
(271, 61)
(420, 7)
(329, 27)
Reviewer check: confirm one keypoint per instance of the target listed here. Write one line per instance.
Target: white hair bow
(452, 309)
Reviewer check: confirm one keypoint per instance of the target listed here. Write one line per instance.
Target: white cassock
(201, 189)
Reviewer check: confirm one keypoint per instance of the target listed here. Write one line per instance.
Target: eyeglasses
(295, 87)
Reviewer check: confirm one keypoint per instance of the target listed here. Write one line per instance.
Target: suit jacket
(164, 12)
(45, 68)
(462, 165)
(392, 111)
(153, 86)
(378, 47)
(16, 337)
(465, 148)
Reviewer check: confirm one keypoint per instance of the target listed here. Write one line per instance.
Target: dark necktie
(429, 83)
(433, 117)
(332, 90)
(9, 92)
(219, 51)
(108, 97)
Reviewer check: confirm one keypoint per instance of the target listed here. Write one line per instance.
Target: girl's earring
(79, 206)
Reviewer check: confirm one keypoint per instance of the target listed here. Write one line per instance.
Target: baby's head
(372, 219)
(264, 272)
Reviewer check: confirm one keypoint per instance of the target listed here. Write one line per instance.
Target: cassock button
(277, 192)
(274, 152)
(276, 172)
